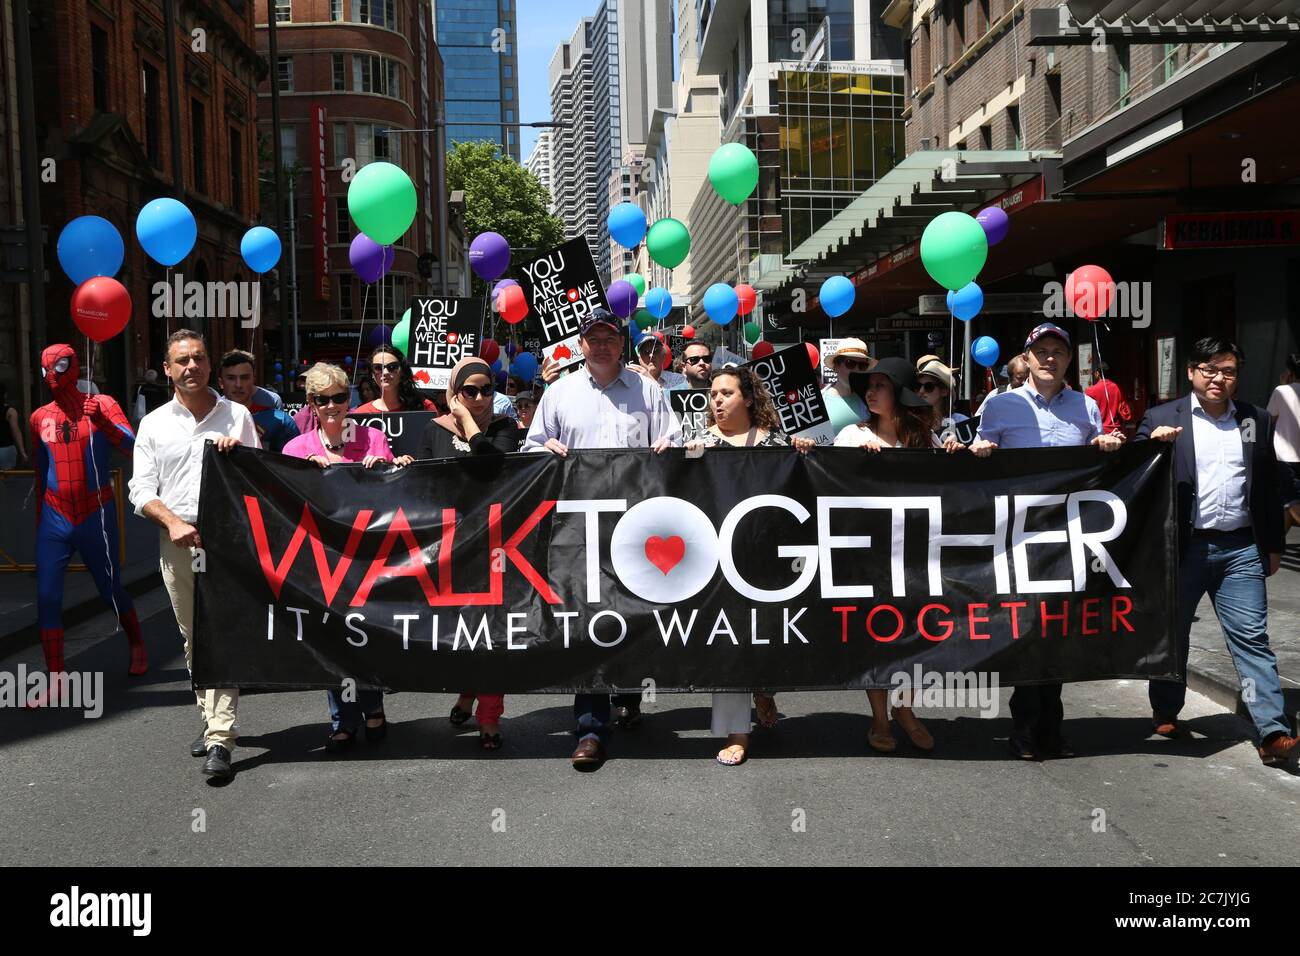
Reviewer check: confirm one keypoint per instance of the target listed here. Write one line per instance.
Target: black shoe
(218, 763)
(335, 744)
(376, 734)
(627, 718)
(200, 746)
(1022, 747)
(1058, 748)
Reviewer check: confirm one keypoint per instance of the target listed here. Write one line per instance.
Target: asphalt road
(122, 789)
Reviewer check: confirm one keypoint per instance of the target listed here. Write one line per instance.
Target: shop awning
(1164, 21)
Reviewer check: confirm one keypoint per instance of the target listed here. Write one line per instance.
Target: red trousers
(490, 707)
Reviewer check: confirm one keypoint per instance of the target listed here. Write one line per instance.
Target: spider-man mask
(61, 369)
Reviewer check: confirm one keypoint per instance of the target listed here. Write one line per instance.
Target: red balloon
(1090, 291)
(813, 355)
(688, 331)
(748, 297)
(489, 351)
(762, 349)
(101, 307)
(511, 304)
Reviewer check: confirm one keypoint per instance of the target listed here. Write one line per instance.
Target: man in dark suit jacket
(1229, 511)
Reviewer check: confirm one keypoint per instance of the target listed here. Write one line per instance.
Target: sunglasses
(475, 392)
(386, 367)
(338, 398)
(696, 359)
(856, 365)
(928, 387)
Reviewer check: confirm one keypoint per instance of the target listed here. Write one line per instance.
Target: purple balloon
(369, 259)
(622, 298)
(994, 222)
(489, 255)
(379, 335)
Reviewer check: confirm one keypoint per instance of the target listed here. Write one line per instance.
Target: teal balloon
(966, 302)
(954, 248)
(733, 171)
(668, 242)
(402, 333)
(721, 303)
(381, 201)
(637, 280)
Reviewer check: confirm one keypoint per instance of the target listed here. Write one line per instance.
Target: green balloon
(381, 201)
(644, 319)
(402, 333)
(638, 282)
(733, 171)
(953, 249)
(668, 242)
(752, 332)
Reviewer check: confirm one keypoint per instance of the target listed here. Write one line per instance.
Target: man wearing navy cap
(1043, 413)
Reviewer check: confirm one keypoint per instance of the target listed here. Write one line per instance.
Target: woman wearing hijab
(396, 386)
(471, 429)
(330, 443)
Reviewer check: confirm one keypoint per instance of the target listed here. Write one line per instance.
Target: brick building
(103, 111)
(349, 73)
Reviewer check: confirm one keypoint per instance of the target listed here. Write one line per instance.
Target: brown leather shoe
(589, 753)
(1278, 750)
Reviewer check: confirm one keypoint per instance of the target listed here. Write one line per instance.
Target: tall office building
(477, 39)
(539, 163)
(573, 142)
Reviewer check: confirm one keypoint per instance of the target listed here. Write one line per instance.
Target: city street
(122, 789)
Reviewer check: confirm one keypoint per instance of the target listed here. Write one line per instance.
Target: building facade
(539, 164)
(477, 40)
(351, 78)
(573, 143)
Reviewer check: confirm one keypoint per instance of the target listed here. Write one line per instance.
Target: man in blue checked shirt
(1043, 413)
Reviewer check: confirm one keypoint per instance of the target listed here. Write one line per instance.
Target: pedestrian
(696, 365)
(842, 405)
(275, 427)
(602, 405)
(398, 392)
(897, 417)
(655, 361)
(12, 450)
(168, 466)
(1229, 514)
(525, 407)
(742, 415)
(473, 428)
(1284, 409)
(934, 384)
(335, 440)
(1017, 370)
(1115, 411)
(1042, 413)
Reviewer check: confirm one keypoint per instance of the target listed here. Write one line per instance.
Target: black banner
(402, 429)
(740, 569)
(691, 406)
(796, 391)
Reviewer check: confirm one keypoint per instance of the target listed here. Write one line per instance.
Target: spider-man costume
(74, 501)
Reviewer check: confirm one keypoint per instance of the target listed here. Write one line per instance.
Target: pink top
(366, 441)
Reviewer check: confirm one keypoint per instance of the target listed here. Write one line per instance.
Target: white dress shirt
(630, 412)
(1220, 470)
(168, 458)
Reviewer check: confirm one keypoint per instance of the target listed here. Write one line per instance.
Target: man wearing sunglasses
(844, 407)
(696, 365)
(602, 405)
(1229, 512)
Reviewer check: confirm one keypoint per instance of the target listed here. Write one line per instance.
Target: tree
(501, 196)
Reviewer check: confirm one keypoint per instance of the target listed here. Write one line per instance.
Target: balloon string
(952, 345)
(361, 333)
(1096, 353)
(171, 304)
(94, 464)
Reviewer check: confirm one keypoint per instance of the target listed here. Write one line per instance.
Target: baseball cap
(600, 317)
(1048, 328)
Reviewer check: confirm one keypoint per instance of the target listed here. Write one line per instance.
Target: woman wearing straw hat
(844, 407)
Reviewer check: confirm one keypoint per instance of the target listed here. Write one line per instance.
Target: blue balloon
(985, 350)
(90, 246)
(524, 366)
(167, 230)
(658, 302)
(721, 302)
(279, 367)
(837, 295)
(496, 366)
(637, 334)
(966, 302)
(279, 378)
(627, 224)
(347, 360)
(260, 248)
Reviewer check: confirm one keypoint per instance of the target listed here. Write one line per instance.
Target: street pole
(293, 265)
(31, 191)
(276, 222)
(440, 124)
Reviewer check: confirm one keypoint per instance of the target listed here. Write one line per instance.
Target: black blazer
(1263, 485)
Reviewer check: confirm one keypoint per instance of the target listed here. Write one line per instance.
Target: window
(284, 73)
(1125, 79)
(379, 13)
(510, 93)
(342, 223)
(1052, 115)
(375, 74)
(392, 89)
(199, 144)
(236, 170)
(345, 299)
(982, 18)
(510, 116)
(151, 90)
(99, 67)
(336, 10)
(340, 75)
(373, 143)
(340, 143)
(1017, 141)
(1172, 51)
(283, 11)
(957, 14)
(510, 71)
(288, 145)
(986, 136)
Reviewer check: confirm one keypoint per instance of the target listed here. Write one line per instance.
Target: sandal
(489, 741)
(915, 730)
(882, 740)
(376, 734)
(339, 741)
(459, 716)
(765, 706)
(733, 755)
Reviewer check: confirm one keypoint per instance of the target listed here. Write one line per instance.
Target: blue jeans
(1229, 570)
(347, 716)
(592, 713)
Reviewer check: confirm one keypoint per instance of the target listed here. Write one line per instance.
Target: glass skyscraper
(477, 39)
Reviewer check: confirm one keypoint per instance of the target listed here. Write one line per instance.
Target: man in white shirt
(602, 405)
(1284, 408)
(165, 489)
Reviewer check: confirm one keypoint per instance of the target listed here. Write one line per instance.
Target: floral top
(775, 437)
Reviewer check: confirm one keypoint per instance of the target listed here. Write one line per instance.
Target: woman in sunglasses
(330, 443)
(397, 388)
(471, 429)
(842, 405)
(934, 383)
(741, 415)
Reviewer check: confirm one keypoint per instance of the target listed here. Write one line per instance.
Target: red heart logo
(573, 295)
(452, 338)
(791, 397)
(665, 553)
(561, 352)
